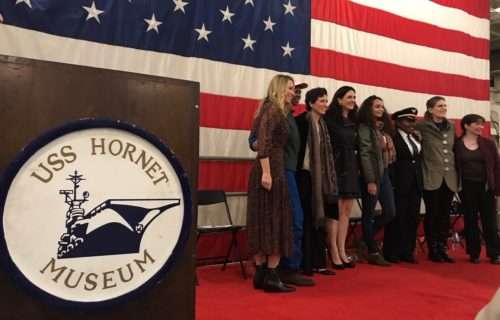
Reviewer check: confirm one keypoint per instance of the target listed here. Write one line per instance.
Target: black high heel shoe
(350, 264)
(338, 266)
(334, 265)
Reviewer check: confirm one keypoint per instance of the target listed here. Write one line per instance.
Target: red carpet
(403, 291)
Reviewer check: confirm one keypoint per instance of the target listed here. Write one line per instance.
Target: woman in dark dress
(479, 174)
(269, 218)
(341, 121)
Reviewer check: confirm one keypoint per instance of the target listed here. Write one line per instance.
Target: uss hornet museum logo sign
(93, 212)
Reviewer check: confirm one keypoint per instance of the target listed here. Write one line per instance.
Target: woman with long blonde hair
(269, 218)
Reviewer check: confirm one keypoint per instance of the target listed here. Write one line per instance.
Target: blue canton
(271, 34)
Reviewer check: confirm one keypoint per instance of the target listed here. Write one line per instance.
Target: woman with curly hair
(376, 153)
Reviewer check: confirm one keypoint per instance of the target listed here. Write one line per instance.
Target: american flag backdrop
(403, 51)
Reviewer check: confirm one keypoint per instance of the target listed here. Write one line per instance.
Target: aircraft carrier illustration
(116, 226)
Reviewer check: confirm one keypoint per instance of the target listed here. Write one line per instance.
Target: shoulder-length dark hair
(335, 109)
(365, 115)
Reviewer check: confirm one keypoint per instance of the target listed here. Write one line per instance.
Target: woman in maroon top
(478, 169)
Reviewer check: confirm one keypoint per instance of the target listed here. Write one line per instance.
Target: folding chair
(213, 197)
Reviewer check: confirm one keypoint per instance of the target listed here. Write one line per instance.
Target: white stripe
(330, 36)
(31, 44)
(238, 81)
(433, 13)
(225, 143)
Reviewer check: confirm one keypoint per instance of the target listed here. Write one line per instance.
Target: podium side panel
(36, 96)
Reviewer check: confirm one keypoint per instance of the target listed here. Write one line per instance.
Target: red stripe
(340, 66)
(231, 176)
(478, 8)
(229, 112)
(386, 24)
(226, 112)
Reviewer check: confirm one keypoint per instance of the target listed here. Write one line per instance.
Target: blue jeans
(292, 262)
(372, 224)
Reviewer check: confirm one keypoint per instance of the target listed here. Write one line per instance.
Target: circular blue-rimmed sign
(93, 213)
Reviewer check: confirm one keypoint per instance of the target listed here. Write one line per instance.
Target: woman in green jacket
(440, 176)
(376, 153)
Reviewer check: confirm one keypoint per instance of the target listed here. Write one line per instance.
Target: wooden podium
(36, 96)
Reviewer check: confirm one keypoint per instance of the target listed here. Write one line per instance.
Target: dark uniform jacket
(407, 169)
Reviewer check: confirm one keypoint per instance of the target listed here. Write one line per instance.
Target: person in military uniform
(406, 173)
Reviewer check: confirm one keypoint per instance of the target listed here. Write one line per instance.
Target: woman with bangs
(479, 176)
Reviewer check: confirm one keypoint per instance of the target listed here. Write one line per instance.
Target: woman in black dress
(341, 121)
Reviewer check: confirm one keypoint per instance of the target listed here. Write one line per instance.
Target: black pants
(313, 244)
(401, 233)
(475, 199)
(437, 215)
